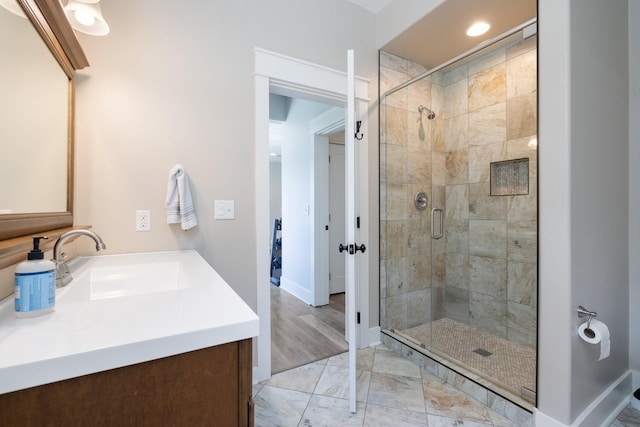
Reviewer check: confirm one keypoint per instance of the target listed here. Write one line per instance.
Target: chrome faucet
(63, 275)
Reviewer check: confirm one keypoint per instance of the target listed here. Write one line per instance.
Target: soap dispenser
(35, 284)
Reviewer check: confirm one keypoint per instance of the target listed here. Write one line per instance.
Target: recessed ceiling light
(478, 29)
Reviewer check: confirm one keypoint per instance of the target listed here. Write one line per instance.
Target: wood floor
(301, 334)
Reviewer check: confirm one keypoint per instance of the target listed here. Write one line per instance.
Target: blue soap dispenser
(35, 284)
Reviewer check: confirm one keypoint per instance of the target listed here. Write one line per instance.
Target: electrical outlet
(143, 220)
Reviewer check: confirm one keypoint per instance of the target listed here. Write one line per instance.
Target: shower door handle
(433, 228)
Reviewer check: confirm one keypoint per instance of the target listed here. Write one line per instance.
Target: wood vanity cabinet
(207, 387)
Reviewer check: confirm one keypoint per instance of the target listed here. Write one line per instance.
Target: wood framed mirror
(52, 27)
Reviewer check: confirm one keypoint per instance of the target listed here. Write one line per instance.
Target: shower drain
(482, 352)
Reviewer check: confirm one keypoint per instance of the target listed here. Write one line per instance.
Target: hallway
(302, 334)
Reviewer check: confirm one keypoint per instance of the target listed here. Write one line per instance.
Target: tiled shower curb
(470, 386)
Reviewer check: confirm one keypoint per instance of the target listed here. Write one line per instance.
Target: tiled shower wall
(484, 269)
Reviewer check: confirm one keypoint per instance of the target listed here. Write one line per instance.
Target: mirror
(36, 110)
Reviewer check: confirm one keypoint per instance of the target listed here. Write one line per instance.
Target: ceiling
(441, 35)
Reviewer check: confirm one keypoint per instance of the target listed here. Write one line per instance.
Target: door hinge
(358, 318)
(326, 227)
(358, 222)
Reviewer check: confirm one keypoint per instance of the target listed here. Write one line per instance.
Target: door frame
(284, 75)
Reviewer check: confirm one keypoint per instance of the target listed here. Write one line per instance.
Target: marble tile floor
(629, 417)
(392, 391)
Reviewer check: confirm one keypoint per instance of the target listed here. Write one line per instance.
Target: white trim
(281, 74)
(372, 338)
(602, 410)
(296, 290)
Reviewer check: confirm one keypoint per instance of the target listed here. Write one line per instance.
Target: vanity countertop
(111, 316)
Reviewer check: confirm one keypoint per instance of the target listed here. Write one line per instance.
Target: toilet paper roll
(597, 333)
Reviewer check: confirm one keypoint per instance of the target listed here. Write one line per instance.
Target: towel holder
(583, 312)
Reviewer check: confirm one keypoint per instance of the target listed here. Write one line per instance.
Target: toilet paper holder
(583, 312)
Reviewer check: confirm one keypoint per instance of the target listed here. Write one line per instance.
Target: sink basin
(121, 310)
(112, 277)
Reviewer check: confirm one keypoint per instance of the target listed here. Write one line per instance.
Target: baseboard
(602, 411)
(372, 337)
(296, 290)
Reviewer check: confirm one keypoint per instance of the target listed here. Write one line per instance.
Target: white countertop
(92, 329)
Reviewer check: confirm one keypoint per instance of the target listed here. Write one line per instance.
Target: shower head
(430, 114)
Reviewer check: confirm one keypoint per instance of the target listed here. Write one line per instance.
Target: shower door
(458, 272)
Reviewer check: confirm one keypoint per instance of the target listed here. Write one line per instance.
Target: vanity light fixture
(478, 29)
(86, 16)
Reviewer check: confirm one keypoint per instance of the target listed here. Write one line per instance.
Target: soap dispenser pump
(35, 283)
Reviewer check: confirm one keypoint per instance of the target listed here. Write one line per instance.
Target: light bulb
(477, 29)
(85, 18)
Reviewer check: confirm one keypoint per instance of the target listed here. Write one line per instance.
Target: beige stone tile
(380, 416)
(438, 168)
(457, 303)
(364, 359)
(521, 323)
(419, 94)
(396, 164)
(488, 238)
(480, 158)
(438, 421)
(522, 75)
(415, 70)
(279, 407)
(510, 411)
(330, 411)
(443, 400)
(419, 307)
(396, 125)
(419, 167)
(522, 46)
(457, 272)
(457, 164)
(488, 276)
(456, 100)
(488, 314)
(522, 240)
(396, 239)
(418, 273)
(418, 234)
(487, 60)
(391, 363)
(523, 207)
(522, 116)
(457, 203)
(456, 135)
(488, 125)
(393, 62)
(334, 382)
(438, 130)
(396, 202)
(419, 132)
(456, 233)
(484, 206)
(395, 312)
(488, 87)
(450, 75)
(522, 283)
(396, 275)
(396, 392)
(303, 378)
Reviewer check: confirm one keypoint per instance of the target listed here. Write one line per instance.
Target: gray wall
(634, 189)
(173, 83)
(584, 190)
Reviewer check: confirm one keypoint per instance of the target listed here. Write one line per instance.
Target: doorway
(307, 324)
(292, 77)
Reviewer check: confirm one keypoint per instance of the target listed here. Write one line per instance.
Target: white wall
(173, 82)
(584, 189)
(634, 185)
(298, 205)
(399, 15)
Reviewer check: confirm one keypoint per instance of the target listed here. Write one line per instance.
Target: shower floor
(510, 365)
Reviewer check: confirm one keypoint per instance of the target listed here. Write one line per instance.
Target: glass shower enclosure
(458, 213)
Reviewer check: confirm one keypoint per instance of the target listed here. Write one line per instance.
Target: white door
(350, 222)
(336, 218)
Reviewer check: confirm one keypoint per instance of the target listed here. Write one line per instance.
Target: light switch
(225, 209)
